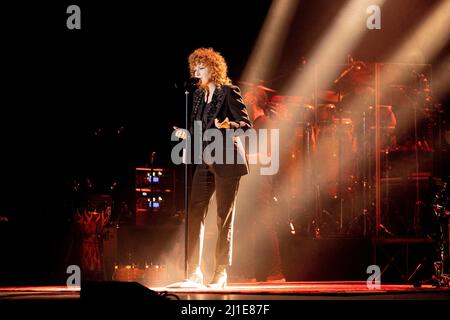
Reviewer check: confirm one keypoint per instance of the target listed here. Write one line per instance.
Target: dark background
(96, 102)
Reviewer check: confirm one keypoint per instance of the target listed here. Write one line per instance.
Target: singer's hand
(225, 124)
(180, 133)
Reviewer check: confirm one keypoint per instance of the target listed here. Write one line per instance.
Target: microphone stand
(186, 284)
(343, 74)
(186, 95)
(340, 133)
(339, 140)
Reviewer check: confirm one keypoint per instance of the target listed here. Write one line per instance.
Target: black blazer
(226, 102)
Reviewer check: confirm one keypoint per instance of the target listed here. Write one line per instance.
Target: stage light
(292, 228)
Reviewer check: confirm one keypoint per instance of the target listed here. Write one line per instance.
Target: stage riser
(303, 259)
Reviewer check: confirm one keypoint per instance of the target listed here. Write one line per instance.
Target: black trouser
(204, 183)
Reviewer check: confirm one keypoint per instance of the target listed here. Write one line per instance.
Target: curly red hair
(214, 61)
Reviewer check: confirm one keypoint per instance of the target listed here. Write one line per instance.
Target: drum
(335, 155)
(302, 113)
(388, 123)
(326, 114)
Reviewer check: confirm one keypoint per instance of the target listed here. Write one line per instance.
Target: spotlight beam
(336, 44)
(270, 40)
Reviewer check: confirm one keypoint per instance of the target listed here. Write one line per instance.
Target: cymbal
(301, 106)
(264, 88)
(404, 88)
(330, 96)
(258, 86)
(399, 86)
(290, 99)
(329, 106)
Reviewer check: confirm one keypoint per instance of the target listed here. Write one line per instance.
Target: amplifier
(154, 194)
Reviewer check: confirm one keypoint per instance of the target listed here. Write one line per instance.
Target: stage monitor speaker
(118, 292)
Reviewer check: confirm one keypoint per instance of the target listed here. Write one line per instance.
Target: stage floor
(255, 291)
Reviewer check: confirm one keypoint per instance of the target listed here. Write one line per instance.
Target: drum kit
(334, 130)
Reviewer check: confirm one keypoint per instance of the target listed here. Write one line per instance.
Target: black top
(203, 114)
(226, 102)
